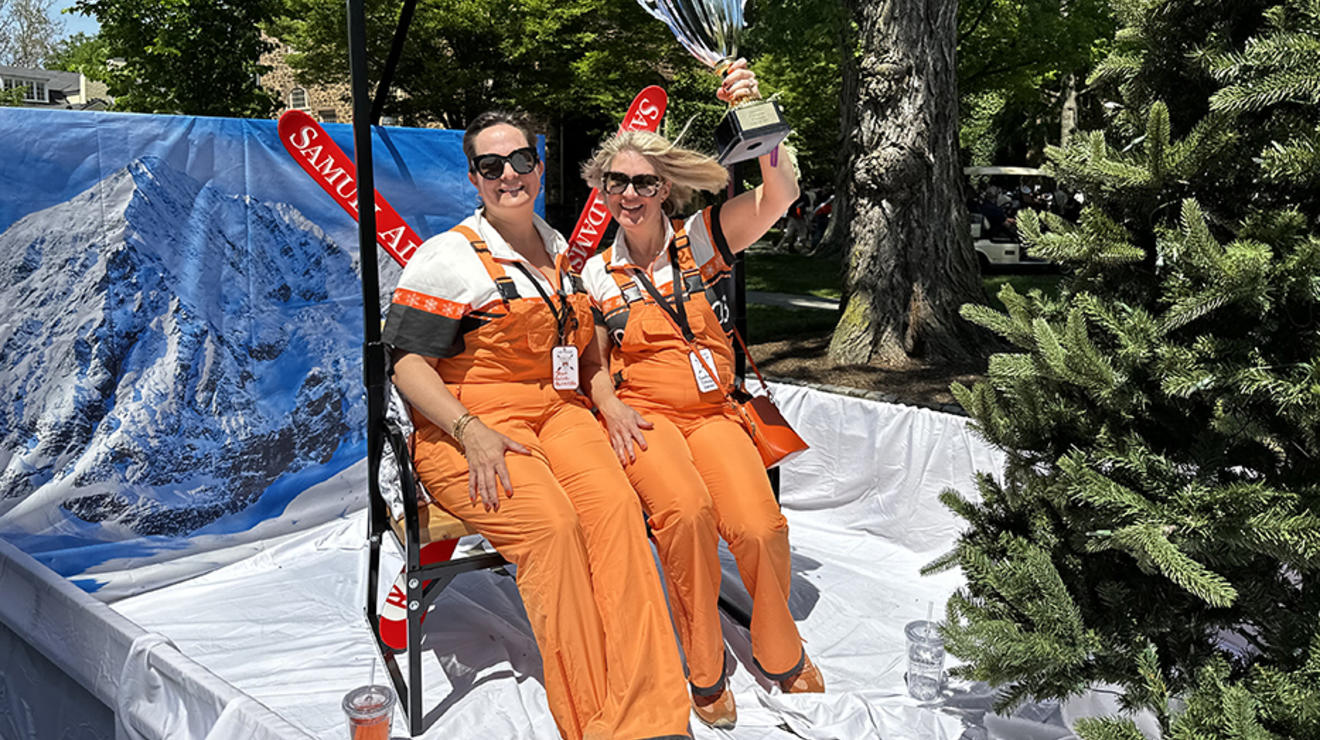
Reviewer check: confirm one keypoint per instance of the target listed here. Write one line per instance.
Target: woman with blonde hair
(696, 471)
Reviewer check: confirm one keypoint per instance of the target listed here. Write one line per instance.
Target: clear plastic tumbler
(369, 710)
(925, 668)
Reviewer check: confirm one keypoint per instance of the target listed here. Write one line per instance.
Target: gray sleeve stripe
(427, 334)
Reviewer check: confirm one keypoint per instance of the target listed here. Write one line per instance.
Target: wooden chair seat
(434, 524)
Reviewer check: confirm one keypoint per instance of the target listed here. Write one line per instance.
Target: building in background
(325, 103)
(45, 88)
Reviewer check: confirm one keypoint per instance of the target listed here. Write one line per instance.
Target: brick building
(325, 103)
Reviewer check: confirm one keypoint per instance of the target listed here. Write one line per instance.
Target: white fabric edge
(106, 653)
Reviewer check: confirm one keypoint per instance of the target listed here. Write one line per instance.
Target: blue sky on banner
(421, 172)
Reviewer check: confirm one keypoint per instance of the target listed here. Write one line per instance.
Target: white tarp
(284, 628)
(74, 668)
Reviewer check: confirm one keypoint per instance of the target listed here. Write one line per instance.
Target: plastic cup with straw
(925, 672)
(370, 710)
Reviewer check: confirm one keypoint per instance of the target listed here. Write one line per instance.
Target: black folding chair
(420, 526)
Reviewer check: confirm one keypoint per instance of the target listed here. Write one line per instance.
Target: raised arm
(747, 216)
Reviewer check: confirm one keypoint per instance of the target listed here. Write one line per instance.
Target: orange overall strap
(692, 279)
(627, 289)
(686, 263)
(681, 242)
(508, 291)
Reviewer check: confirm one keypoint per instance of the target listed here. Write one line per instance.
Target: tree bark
(909, 262)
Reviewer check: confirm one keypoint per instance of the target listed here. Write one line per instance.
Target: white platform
(276, 639)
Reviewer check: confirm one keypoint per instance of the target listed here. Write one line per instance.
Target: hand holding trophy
(709, 30)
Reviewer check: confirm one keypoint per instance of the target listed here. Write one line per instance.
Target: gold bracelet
(467, 418)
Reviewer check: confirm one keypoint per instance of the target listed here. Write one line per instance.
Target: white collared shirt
(446, 267)
(605, 294)
(445, 280)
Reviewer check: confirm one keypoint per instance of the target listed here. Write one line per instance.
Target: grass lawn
(772, 323)
(820, 277)
(794, 273)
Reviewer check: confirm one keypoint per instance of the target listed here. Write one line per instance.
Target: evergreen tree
(1157, 524)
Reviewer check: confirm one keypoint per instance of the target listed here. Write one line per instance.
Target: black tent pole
(373, 352)
(392, 61)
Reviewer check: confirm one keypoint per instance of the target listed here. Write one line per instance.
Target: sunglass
(491, 166)
(644, 185)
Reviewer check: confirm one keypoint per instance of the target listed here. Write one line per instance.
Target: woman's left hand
(624, 426)
(739, 83)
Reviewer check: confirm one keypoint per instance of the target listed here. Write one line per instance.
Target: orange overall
(584, 567)
(699, 477)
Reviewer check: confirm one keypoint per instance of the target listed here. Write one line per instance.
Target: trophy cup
(709, 30)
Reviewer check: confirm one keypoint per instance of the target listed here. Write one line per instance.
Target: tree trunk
(909, 263)
(1068, 117)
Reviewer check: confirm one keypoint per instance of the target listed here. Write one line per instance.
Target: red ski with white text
(326, 163)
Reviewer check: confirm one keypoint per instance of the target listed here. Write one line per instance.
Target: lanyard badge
(703, 369)
(564, 357)
(565, 362)
(701, 358)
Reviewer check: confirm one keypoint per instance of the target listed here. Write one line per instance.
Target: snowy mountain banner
(180, 331)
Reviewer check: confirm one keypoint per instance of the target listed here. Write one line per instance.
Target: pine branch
(1107, 728)
(999, 323)
(1157, 141)
(1151, 546)
(1089, 361)
(1271, 90)
(1190, 309)
(1117, 67)
(1294, 161)
(1085, 485)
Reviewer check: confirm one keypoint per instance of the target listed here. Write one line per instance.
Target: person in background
(492, 336)
(820, 218)
(796, 224)
(995, 217)
(696, 470)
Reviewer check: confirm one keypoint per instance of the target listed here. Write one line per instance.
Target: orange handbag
(773, 436)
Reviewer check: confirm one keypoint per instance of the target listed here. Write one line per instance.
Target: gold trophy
(709, 30)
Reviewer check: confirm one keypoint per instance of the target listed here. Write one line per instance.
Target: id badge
(705, 383)
(565, 360)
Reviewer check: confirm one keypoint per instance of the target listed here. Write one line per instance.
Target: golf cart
(997, 194)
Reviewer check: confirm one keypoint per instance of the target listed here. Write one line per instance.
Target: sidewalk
(790, 300)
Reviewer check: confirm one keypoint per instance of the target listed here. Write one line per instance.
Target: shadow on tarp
(973, 703)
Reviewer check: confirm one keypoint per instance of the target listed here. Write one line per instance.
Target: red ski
(322, 158)
(643, 115)
(327, 164)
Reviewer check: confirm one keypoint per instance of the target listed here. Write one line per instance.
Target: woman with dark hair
(695, 469)
(492, 337)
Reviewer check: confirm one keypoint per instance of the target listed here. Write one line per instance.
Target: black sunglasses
(491, 166)
(644, 185)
